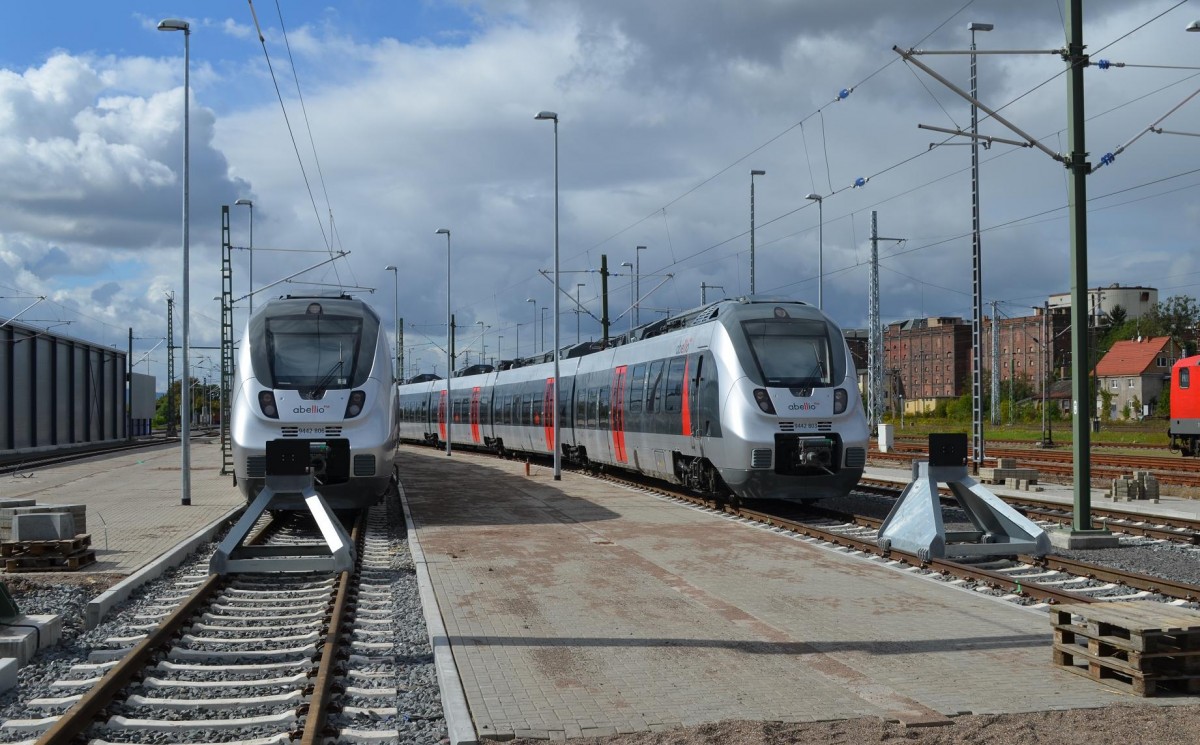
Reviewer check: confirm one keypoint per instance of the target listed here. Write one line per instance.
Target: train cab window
(654, 385)
(1185, 377)
(637, 385)
(674, 384)
(603, 399)
(793, 352)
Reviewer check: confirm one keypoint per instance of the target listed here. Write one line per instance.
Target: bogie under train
(316, 368)
(754, 398)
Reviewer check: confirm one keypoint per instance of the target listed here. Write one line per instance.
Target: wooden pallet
(47, 563)
(61, 548)
(1141, 647)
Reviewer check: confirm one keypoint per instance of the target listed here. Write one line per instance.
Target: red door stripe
(618, 414)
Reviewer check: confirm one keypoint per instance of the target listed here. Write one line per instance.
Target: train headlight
(354, 406)
(839, 400)
(763, 399)
(266, 402)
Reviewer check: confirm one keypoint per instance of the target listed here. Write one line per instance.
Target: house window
(1162, 362)
(1131, 382)
(1115, 385)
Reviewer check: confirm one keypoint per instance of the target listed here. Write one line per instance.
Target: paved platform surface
(579, 608)
(133, 500)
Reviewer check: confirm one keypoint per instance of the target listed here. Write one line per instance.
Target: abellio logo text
(806, 406)
(314, 409)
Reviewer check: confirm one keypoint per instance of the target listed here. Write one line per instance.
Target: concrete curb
(98, 608)
(454, 700)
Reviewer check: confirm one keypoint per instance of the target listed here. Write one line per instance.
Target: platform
(133, 500)
(580, 608)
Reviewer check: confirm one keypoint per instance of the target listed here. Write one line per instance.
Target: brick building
(930, 358)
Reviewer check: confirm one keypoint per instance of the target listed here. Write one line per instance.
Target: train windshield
(313, 352)
(791, 352)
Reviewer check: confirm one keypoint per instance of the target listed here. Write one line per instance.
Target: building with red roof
(1134, 373)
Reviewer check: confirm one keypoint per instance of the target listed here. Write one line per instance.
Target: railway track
(1058, 464)
(258, 658)
(15, 465)
(1160, 527)
(1023, 579)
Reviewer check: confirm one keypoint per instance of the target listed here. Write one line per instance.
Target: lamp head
(547, 115)
(814, 196)
(174, 24)
(1194, 26)
(442, 231)
(976, 26)
(530, 300)
(758, 173)
(389, 268)
(245, 203)
(627, 263)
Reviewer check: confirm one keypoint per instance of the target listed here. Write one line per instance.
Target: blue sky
(421, 117)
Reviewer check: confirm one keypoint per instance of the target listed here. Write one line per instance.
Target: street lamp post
(542, 330)
(753, 173)
(449, 362)
(399, 339)
(174, 24)
(632, 297)
(976, 271)
(578, 311)
(250, 249)
(535, 317)
(543, 116)
(820, 249)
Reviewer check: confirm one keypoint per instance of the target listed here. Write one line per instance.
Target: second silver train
(755, 397)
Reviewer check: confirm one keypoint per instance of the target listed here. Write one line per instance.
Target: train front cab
(794, 420)
(1184, 429)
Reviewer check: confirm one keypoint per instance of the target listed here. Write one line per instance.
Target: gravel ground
(1118, 725)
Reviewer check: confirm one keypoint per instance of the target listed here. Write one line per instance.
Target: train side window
(537, 410)
(604, 407)
(485, 411)
(674, 384)
(654, 385)
(637, 389)
(1185, 377)
(592, 406)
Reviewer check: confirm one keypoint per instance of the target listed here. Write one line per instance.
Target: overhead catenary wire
(287, 120)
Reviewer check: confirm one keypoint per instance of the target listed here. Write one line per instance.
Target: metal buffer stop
(915, 523)
(289, 473)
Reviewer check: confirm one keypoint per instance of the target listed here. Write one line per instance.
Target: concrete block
(1006, 463)
(25, 635)
(8, 673)
(1151, 488)
(45, 526)
(78, 511)
(1082, 539)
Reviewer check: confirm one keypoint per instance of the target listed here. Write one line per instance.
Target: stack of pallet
(63, 555)
(1142, 647)
(44, 538)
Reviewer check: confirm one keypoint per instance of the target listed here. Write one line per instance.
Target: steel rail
(322, 696)
(1176, 530)
(79, 717)
(1159, 585)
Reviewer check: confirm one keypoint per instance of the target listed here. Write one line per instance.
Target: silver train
(755, 398)
(316, 368)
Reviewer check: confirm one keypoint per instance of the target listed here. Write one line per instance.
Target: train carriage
(755, 397)
(1184, 429)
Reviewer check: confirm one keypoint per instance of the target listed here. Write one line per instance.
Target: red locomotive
(1185, 406)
